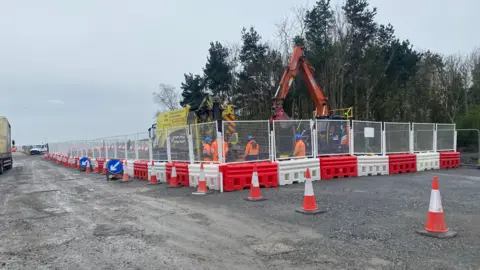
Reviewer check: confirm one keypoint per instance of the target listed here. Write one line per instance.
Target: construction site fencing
(397, 137)
(143, 147)
(238, 139)
(468, 144)
(200, 133)
(333, 137)
(445, 137)
(177, 142)
(159, 150)
(367, 137)
(423, 137)
(285, 138)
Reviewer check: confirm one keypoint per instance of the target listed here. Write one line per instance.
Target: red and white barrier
(372, 165)
(293, 171)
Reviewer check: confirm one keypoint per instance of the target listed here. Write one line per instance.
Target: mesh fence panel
(397, 137)
(333, 136)
(131, 153)
(423, 137)
(367, 137)
(237, 142)
(468, 145)
(159, 150)
(285, 137)
(445, 137)
(89, 149)
(178, 137)
(143, 145)
(199, 133)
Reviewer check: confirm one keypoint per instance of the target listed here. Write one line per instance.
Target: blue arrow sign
(84, 162)
(114, 166)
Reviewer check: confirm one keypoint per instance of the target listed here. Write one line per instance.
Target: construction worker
(207, 150)
(299, 150)
(252, 150)
(215, 150)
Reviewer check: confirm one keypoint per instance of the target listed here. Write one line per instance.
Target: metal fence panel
(445, 137)
(468, 145)
(423, 137)
(178, 137)
(237, 141)
(367, 137)
(397, 137)
(285, 133)
(333, 137)
(159, 150)
(199, 134)
(143, 146)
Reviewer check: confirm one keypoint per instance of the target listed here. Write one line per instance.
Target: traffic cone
(255, 195)
(104, 169)
(173, 179)
(88, 169)
(125, 178)
(309, 202)
(436, 226)
(95, 169)
(153, 176)
(202, 188)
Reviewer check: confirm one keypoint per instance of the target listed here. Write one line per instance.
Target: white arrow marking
(84, 163)
(114, 167)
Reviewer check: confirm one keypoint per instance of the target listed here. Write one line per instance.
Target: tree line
(357, 61)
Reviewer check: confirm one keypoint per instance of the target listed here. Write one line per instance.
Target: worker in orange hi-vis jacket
(299, 147)
(207, 150)
(252, 150)
(215, 150)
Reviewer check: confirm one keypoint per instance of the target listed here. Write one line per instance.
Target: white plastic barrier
(130, 167)
(159, 169)
(372, 165)
(212, 175)
(428, 161)
(293, 171)
(93, 163)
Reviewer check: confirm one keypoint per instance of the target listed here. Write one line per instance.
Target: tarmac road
(55, 217)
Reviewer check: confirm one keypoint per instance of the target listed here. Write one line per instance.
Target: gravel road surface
(52, 217)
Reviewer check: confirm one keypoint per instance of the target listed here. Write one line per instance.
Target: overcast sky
(86, 69)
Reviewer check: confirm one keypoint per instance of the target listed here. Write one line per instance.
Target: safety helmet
(250, 138)
(298, 137)
(208, 139)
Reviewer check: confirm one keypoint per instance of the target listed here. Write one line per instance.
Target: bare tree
(167, 98)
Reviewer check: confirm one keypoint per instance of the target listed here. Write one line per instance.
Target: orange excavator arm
(299, 63)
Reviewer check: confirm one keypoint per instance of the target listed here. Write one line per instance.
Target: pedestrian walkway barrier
(402, 163)
(428, 161)
(182, 173)
(239, 176)
(140, 169)
(372, 165)
(212, 175)
(449, 160)
(293, 171)
(338, 167)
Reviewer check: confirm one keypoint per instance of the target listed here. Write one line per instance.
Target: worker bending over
(299, 147)
(252, 150)
(207, 150)
(215, 150)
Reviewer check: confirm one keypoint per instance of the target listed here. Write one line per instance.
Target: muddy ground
(52, 217)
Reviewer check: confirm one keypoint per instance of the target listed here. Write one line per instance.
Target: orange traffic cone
(153, 176)
(309, 202)
(436, 226)
(255, 195)
(95, 169)
(173, 179)
(104, 169)
(202, 188)
(125, 178)
(88, 169)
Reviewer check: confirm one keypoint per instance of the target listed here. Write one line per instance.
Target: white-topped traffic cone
(202, 188)
(255, 194)
(173, 183)
(309, 202)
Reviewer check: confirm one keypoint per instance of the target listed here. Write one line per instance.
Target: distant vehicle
(6, 161)
(38, 150)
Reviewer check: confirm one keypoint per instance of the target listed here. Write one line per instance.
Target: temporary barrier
(258, 130)
(100, 164)
(286, 135)
(397, 137)
(367, 137)
(449, 160)
(212, 175)
(338, 167)
(93, 163)
(372, 165)
(423, 137)
(333, 137)
(129, 166)
(159, 170)
(140, 170)
(239, 176)
(182, 172)
(428, 161)
(293, 171)
(402, 163)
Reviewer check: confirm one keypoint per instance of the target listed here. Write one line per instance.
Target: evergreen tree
(193, 91)
(217, 74)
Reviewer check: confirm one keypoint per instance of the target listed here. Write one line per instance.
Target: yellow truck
(6, 161)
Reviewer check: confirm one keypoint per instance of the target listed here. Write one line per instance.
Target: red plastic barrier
(76, 165)
(338, 167)
(402, 163)
(239, 176)
(100, 163)
(182, 173)
(140, 170)
(449, 160)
